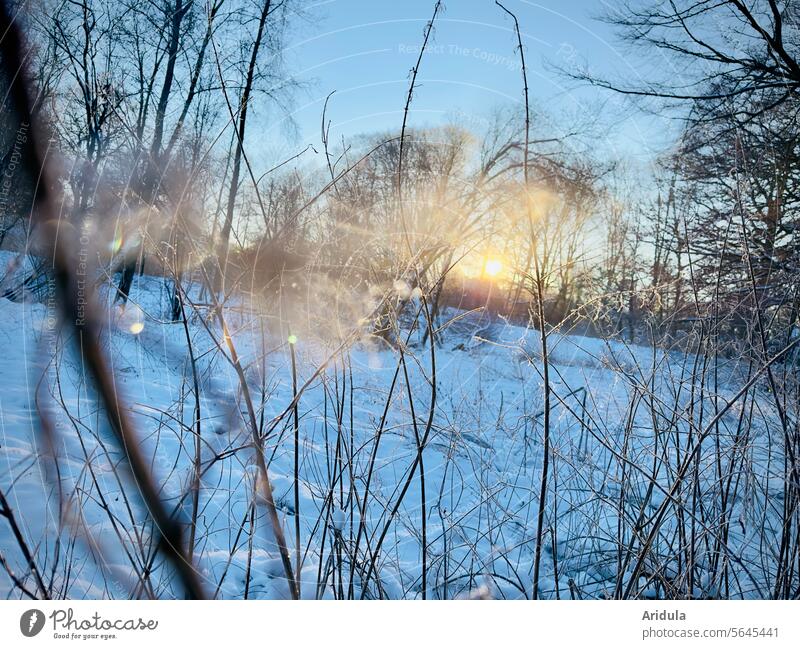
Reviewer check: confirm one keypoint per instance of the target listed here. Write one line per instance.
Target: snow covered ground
(482, 461)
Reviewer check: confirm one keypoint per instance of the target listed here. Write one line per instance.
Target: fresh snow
(482, 462)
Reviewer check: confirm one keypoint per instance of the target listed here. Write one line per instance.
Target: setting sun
(492, 267)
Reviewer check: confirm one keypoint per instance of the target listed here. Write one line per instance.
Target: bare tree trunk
(224, 247)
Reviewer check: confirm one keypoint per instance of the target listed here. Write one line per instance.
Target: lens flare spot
(136, 328)
(402, 288)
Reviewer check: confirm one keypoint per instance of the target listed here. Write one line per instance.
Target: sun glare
(492, 267)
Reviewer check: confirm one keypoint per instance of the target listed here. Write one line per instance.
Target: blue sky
(363, 50)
